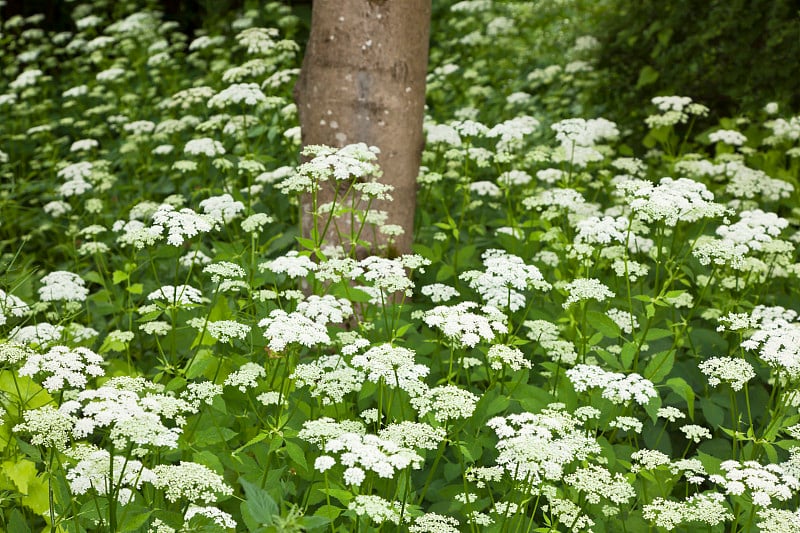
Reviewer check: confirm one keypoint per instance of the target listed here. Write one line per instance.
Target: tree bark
(363, 80)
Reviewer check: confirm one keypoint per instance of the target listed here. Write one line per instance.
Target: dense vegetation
(598, 330)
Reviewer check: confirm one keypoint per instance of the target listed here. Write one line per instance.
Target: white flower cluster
(705, 508)
(500, 356)
(753, 229)
(376, 508)
(363, 453)
(581, 289)
(11, 305)
(292, 264)
(763, 483)
(461, 325)
(548, 336)
(596, 482)
(93, 471)
(736, 372)
(62, 286)
(190, 481)
(329, 378)
(246, 377)
(447, 402)
(204, 146)
(177, 295)
(238, 94)
(354, 161)
(731, 137)
(393, 365)
(62, 366)
(282, 328)
(221, 209)
(776, 339)
(537, 447)
(674, 110)
(326, 309)
(502, 280)
(180, 224)
(578, 138)
(674, 200)
(617, 388)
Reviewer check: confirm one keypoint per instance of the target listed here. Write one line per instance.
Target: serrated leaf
(260, 506)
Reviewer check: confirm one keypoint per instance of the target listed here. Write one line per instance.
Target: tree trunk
(363, 80)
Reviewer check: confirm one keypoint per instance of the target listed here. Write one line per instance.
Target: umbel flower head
(354, 161)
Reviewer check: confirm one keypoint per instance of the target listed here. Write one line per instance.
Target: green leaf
(603, 324)
(328, 511)
(343, 496)
(134, 518)
(685, 391)
(656, 333)
(627, 353)
(119, 276)
(308, 244)
(17, 522)
(659, 366)
(647, 76)
(259, 507)
(297, 454)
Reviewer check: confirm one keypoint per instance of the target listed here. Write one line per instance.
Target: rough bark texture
(363, 80)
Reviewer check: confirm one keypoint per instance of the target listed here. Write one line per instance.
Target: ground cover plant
(585, 339)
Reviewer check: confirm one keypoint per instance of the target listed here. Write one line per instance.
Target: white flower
(581, 289)
(180, 224)
(62, 365)
(220, 518)
(174, 295)
(461, 325)
(292, 264)
(737, 372)
(283, 328)
(446, 402)
(326, 309)
(731, 137)
(439, 292)
(501, 355)
(190, 481)
(63, 286)
(204, 146)
(392, 364)
(376, 508)
(246, 377)
(238, 93)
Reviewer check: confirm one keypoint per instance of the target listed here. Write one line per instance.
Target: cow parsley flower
(177, 295)
(674, 200)
(329, 378)
(393, 365)
(221, 209)
(292, 264)
(736, 372)
(190, 481)
(326, 309)
(581, 289)
(48, 426)
(180, 224)
(433, 522)
(219, 517)
(246, 377)
(447, 402)
(238, 94)
(63, 286)
(501, 355)
(282, 328)
(695, 433)
(505, 275)
(376, 508)
(460, 325)
(617, 387)
(61, 366)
